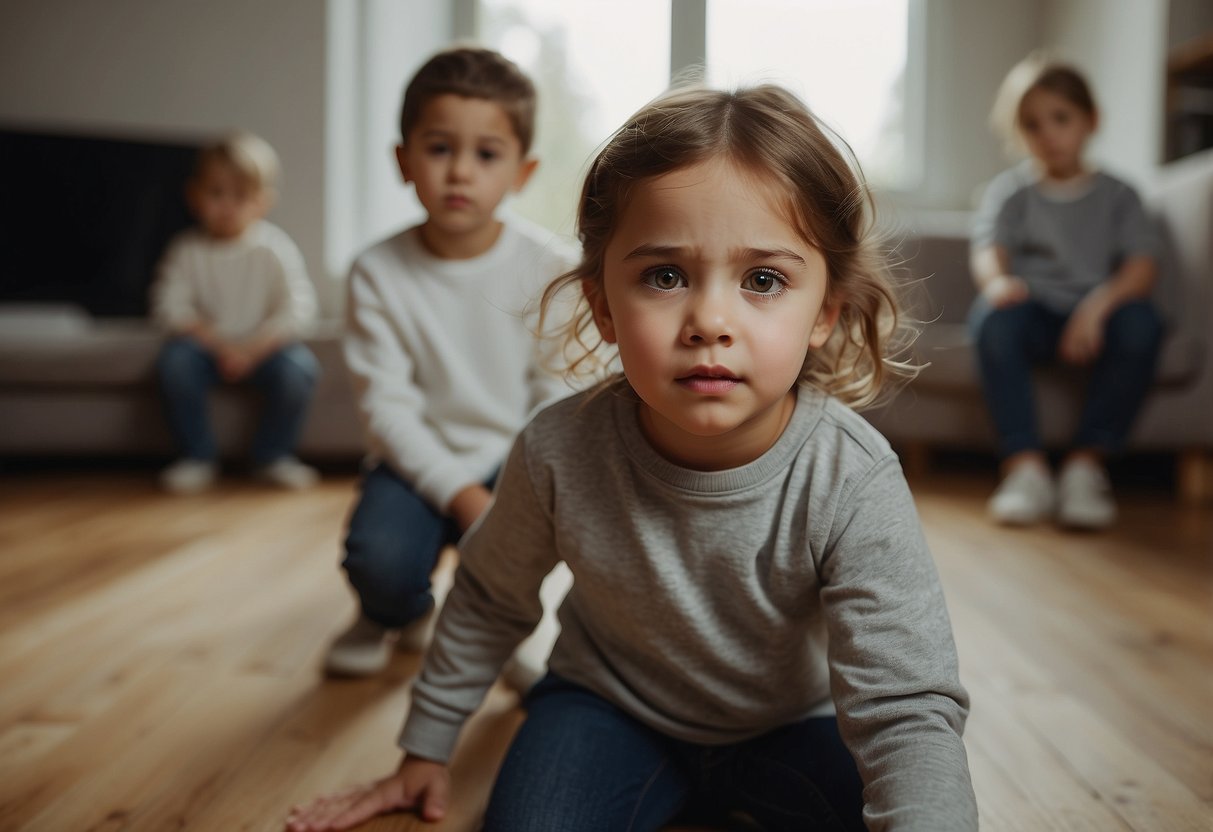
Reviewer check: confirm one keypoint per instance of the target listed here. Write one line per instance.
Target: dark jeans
(391, 547)
(286, 380)
(1011, 341)
(579, 763)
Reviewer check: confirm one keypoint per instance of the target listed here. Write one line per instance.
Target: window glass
(845, 58)
(594, 64)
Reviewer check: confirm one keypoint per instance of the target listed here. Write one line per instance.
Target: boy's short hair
(249, 155)
(473, 73)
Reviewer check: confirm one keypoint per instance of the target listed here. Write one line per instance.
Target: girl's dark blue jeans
(580, 763)
(1011, 341)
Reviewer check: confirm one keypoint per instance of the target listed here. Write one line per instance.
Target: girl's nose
(708, 322)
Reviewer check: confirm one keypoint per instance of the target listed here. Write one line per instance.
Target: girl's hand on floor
(421, 785)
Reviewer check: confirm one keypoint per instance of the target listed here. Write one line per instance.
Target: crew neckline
(626, 411)
(467, 266)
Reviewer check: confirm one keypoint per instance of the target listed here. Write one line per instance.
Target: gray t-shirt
(1063, 244)
(717, 606)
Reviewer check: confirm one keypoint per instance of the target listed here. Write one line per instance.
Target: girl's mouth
(709, 380)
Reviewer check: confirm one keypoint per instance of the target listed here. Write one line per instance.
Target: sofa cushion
(55, 348)
(947, 349)
(98, 353)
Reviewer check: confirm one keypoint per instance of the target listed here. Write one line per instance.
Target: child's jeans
(286, 379)
(392, 546)
(578, 762)
(1010, 341)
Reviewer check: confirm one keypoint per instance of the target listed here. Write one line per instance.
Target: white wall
(376, 46)
(180, 69)
(970, 45)
(294, 71)
(1122, 47)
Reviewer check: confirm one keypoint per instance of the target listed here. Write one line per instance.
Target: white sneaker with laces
(1085, 496)
(189, 476)
(361, 650)
(1025, 496)
(288, 472)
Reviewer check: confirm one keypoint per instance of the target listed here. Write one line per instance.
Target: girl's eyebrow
(735, 255)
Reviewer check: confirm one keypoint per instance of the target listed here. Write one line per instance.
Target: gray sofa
(943, 407)
(71, 384)
(85, 218)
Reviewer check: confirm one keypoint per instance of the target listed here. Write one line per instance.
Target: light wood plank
(159, 661)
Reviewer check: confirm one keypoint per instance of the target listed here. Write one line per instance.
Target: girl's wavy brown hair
(772, 134)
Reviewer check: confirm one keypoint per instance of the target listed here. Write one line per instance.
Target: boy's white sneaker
(288, 472)
(189, 476)
(1085, 496)
(1025, 496)
(361, 650)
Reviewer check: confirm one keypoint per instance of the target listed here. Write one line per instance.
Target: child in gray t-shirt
(756, 635)
(1063, 258)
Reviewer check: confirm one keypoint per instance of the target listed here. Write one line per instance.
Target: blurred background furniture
(943, 407)
(83, 221)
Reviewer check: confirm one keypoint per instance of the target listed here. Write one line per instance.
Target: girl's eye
(664, 278)
(764, 282)
(487, 155)
(437, 149)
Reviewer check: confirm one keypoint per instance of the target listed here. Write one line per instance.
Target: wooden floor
(158, 661)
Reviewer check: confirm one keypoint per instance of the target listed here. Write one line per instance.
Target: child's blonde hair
(771, 133)
(249, 155)
(1038, 71)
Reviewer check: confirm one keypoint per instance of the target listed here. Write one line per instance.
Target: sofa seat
(74, 385)
(943, 407)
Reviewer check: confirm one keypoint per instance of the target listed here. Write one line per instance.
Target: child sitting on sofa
(1063, 257)
(234, 296)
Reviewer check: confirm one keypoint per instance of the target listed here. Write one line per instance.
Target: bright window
(845, 58)
(594, 64)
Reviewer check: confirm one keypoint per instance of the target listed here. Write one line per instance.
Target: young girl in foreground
(747, 556)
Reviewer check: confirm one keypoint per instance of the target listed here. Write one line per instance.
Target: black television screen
(84, 220)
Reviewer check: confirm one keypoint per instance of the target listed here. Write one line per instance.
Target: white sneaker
(1025, 496)
(189, 476)
(288, 472)
(417, 635)
(1085, 496)
(362, 650)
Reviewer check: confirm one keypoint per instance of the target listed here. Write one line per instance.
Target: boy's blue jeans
(578, 762)
(392, 546)
(1011, 341)
(286, 380)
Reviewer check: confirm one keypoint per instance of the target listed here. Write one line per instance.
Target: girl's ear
(592, 289)
(827, 318)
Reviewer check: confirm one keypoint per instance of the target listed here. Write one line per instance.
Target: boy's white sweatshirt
(443, 353)
(254, 284)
